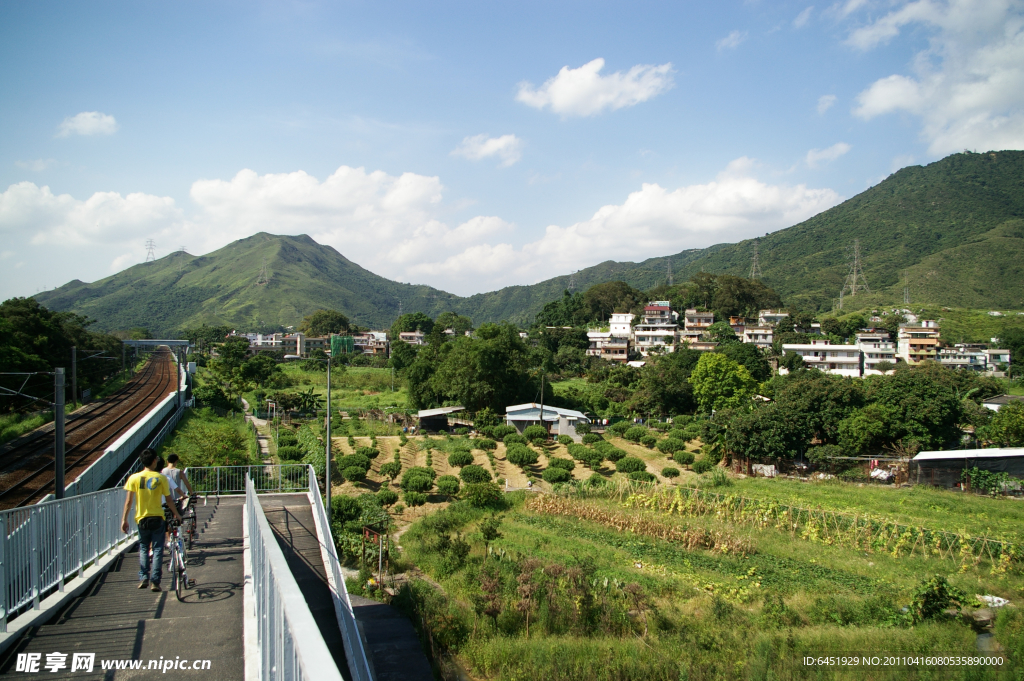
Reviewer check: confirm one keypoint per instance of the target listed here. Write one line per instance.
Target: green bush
(535, 432)
(391, 469)
(613, 454)
(649, 441)
(636, 433)
(582, 428)
(933, 597)
(369, 452)
(642, 476)
(521, 455)
(564, 440)
(354, 473)
(683, 458)
(484, 494)
(670, 472)
(702, 465)
(474, 474)
(387, 497)
(414, 498)
(418, 479)
(630, 464)
(580, 452)
(620, 427)
(460, 458)
(287, 439)
(289, 453)
(566, 464)
(670, 445)
(591, 438)
(485, 444)
(500, 431)
(514, 439)
(354, 460)
(462, 431)
(554, 475)
(448, 485)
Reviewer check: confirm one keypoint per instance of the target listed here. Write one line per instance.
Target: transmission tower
(855, 280)
(150, 251)
(906, 287)
(181, 261)
(755, 265)
(572, 281)
(264, 278)
(668, 265)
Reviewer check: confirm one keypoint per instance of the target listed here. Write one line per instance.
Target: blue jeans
(151, 539)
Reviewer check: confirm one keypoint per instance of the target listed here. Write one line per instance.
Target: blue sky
(469, 146)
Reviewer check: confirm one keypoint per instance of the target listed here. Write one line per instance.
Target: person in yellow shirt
(149, 488)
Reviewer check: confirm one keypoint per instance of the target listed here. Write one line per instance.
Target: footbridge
(269, 602)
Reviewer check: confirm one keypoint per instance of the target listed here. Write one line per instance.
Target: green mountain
(953, 229)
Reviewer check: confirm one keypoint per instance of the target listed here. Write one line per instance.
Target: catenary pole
(58, 431)
(74, 377)
(327, 456)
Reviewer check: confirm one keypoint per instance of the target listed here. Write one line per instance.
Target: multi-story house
(974, 357)
(876, 347)
(694, 325)
(918, 342)
(841, 360)
(771, 317)
(416, 337)
(371, 343)
(761, 336)
(657, 329)
(613, 341)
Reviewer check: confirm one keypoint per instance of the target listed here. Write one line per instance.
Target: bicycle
(189, 513)
(178, 558)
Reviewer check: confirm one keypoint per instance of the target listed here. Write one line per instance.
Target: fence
(45, 545)
(289, 641)
(266, 479)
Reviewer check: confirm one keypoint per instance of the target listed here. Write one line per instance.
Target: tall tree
(720, 383)
(324, 323)
(413, 321)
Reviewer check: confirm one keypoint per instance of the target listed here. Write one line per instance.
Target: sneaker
(155, 586)
(143, 584)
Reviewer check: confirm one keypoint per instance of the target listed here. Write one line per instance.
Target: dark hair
(172, 458)
(160, 461)
(147, 457)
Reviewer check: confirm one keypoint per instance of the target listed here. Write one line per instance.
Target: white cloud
(802, 18)
(508, 148)
(394, 224)
(901, 161)
(816, 156)
(825, 103)
(88, 123)
(967, 86)
(585, 92)
(38, 165)
(7, 255)
(103, 218)
(732, 40)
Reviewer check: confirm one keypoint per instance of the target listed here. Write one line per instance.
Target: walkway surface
(291, 519)
(117, 621)
(391, 642)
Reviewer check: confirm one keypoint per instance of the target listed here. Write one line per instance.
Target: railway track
(27, 470)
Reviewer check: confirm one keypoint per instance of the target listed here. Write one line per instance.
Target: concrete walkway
(291, 519)
(117, 621)
(391, 642)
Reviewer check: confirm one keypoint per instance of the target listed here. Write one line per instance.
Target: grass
(204, 439)
(355, 388)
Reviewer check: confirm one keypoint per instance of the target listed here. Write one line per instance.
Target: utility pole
(74, 377)
(122, 361)
(542, 399)
(177, 381)
(58, 432)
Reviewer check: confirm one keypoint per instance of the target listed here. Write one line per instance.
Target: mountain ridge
(954, 228)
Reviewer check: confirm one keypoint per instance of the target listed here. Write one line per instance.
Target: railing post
(59, 509)
(80, 533)
(3, 573)
(34, 565)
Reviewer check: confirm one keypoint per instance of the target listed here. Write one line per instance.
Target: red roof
(651, 308)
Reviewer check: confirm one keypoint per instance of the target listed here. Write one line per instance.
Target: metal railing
(45, 545)
(266, 478)
(289, 641)
(355, 653)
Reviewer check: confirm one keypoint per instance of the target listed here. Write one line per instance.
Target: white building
(918, 342)
(841, 360)
(876, 347)
(612, 342)
(657, 329)
(771, 317)
(761, 336)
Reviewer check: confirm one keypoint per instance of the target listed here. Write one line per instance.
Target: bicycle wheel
(182, 583)
(191, 527)
(175, 577)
